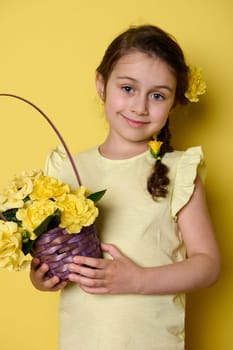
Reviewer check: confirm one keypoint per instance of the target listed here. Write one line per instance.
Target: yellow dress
(144, 230)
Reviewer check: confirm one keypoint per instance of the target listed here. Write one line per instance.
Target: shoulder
(185, 163)
(184, 167)
(58, 164)
(91, 154)
(58, 156)
(189, 155)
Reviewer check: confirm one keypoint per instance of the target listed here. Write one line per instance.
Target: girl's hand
(119, 275)
(39, 279)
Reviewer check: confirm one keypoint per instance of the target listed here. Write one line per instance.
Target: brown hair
(152, 41)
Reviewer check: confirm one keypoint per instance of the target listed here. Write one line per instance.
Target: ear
(100, 86)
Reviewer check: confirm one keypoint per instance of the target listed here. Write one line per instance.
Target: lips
(135, 123)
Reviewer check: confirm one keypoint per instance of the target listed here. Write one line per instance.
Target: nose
(139, 105)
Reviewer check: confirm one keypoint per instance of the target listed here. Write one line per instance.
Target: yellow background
(49, 51)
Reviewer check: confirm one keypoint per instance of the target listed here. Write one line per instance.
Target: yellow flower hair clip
(155, 148)
(196, 85)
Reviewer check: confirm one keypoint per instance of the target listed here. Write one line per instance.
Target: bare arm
(202, 266)
(121, 275)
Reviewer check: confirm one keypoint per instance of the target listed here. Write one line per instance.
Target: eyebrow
(154, 87)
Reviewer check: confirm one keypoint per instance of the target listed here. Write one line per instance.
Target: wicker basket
(57, 248)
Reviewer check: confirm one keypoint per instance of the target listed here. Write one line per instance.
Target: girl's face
(139, 95)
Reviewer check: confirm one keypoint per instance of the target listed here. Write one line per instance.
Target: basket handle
(54, 128)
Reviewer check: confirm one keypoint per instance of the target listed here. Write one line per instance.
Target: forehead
(141, 67)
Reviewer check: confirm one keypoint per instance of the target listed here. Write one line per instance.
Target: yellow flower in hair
(196, 86)
(155, 147)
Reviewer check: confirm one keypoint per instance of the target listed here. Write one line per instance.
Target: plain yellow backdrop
(49, 52)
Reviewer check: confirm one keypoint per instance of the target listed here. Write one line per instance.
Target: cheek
(113, 104)
(160, 112)
(110, 109)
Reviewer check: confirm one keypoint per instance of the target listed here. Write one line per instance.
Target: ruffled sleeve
(54, 162)
(190, 164)
(58, 165)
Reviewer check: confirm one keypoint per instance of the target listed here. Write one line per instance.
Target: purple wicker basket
(57, 247)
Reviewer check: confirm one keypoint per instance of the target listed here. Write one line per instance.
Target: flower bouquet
(40, 216)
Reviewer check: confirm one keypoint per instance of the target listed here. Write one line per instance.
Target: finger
(92, 262)
(35, 263)
(52, 283)
(59, 286)
(86, 281)
(112, 250)
(87, 271)
(89, 290)
(41, 270)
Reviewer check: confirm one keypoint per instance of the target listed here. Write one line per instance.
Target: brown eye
(127, 89)
(157, 96)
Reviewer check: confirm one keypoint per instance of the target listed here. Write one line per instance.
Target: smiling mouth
(135, 123)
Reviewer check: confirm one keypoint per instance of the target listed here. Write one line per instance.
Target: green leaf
(96, 196)
(26, 199)
(27, 247)
(25, 236)
(155, 155)
(10, 215)
(49, 223)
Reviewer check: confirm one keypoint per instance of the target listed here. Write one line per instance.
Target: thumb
(112, 250)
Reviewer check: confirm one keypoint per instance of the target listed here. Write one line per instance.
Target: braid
(158, 180)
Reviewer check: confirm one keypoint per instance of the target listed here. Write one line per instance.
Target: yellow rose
(76, 211)
(20, 187)
(34, 213)
(48, 187)
(155, 147)
(11, 255)
(32, 174)
(81, 191)
(196, 86)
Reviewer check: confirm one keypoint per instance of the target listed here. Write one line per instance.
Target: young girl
(158, 237)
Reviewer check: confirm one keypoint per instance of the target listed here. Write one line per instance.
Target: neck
(117, 150)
